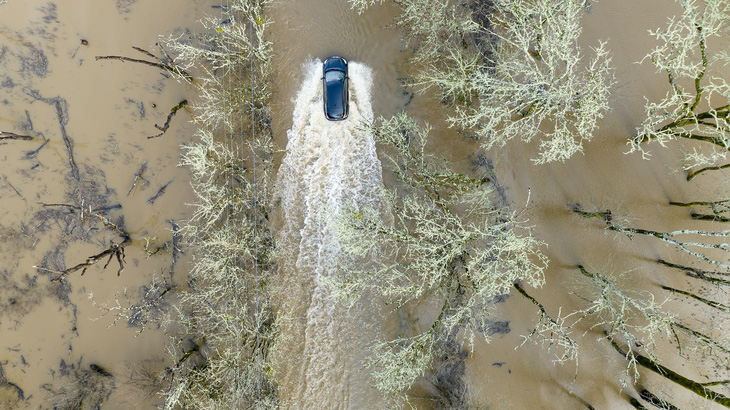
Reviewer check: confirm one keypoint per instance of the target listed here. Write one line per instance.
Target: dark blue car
(335, 91)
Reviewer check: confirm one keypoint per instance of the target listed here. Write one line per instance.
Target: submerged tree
(698, 102)
(635, 318)
(686, 240)
(233, 59)
(536, 82)
(636, 322)
(446, 245)
(512, 69)
(716, 211)
(80, 387)
(227, 332)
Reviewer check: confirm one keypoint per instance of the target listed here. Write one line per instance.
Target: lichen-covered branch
(512, 69)
(636, 318)
(720, 209)
(172, 113)
(166, 63)
(692, 174)
(232, 63)
(699, 112)
(693, 386)
(711, 303)
(699, 249)
(550, 331)
(445, 243)
(226, 309)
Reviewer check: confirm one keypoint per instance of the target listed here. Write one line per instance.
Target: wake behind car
(335, 88)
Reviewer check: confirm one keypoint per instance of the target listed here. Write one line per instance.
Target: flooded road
(329, 167)
(306, 29)
(89, 122)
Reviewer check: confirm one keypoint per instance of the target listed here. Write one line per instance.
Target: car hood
(335, 62)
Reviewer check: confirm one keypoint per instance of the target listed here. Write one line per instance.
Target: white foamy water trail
(328, 166)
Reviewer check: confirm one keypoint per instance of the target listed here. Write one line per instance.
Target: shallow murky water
(497, 374)
(89, 122)
(603, 177)
(329, 167)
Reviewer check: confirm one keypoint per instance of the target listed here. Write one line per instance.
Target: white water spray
(328, 166)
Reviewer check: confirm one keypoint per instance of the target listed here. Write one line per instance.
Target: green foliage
(700, 111)
(445, 244)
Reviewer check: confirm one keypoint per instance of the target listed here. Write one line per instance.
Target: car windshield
(332, 76)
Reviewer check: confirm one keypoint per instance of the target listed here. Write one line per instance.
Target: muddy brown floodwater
(604, 177)
(327, 166)
(51, 333)
(89, 121)
(496, 374)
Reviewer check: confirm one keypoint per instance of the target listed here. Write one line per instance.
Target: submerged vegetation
(446, 244)
(511, 69)
(698, 102)
(505, 70)
(224, 330)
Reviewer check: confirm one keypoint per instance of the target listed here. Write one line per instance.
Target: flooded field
(497, 374)
(91, 195)
(86, 180)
